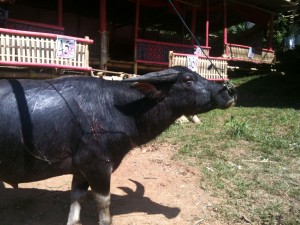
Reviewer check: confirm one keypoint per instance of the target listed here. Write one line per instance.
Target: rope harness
(227, 84)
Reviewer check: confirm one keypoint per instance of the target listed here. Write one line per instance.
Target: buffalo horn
(168, 75)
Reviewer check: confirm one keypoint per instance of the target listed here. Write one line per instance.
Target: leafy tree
(281, 28)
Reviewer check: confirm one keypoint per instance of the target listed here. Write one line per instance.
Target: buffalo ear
(147, 89)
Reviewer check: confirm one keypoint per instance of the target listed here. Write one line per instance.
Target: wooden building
(136, 35)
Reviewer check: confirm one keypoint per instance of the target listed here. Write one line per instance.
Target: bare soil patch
(148, 188)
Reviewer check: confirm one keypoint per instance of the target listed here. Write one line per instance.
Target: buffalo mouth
(230, 103)
(232, 94)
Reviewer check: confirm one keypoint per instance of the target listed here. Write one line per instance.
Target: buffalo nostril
(230, 103)
(231, 91)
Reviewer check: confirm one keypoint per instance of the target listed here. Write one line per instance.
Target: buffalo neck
(156, 119)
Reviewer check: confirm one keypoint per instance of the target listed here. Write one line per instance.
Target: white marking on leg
(103, 202)
(77, 197)
(74, 214)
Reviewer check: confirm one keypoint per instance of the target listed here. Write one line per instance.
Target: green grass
(249, 155)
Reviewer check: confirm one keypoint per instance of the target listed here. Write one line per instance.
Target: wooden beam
(271, 32)
(103, 35)
(194, 19)
(136, 34)
(225, 23)
(60, 12)
(252, 6)
(207, 24)
(189, 3)
(102, 15)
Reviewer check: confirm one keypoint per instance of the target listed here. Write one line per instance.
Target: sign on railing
(201, 65)
(66, 48)
(35, 49)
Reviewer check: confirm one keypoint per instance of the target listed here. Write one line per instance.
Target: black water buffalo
(85, 126)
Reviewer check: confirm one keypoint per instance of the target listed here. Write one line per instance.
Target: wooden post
(103, 36)
(194, 18)
(183, 27)
(225, 28)
(60, 11)
(207, 25)
(271, 32)
(136, 34)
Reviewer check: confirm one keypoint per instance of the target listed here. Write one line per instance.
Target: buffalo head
(187, 92)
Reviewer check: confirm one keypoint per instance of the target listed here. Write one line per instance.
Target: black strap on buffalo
(228, 84)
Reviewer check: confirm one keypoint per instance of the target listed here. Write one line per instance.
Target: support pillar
(271, 32)
(103, 36)
(194, 19)
(60, 11)
(136, 34)
(207, 25)
(225, 28)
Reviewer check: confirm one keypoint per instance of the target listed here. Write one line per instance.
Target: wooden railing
(154, 52)
(45, 50)
(201, 64)
(249, 54)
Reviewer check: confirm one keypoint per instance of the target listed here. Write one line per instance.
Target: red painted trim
(225, 25)
(168, 43)
(60, 12)
(36, 24)
(136, 34)
(47, 65)
(268, 50)
(102, 16)
(207, 24)
(45, 35)
(203, 57)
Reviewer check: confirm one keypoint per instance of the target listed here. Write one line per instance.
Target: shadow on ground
(274, 91)
(36, 206)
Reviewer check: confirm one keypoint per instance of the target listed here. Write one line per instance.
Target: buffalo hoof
(75, 223)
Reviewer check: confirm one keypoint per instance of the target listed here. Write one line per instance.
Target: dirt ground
(148, 188)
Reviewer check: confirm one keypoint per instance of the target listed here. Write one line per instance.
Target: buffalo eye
(187, 79)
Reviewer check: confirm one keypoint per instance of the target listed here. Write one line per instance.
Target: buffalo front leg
(78, 194)
(101, 189)
(103, 202)
(98, 176)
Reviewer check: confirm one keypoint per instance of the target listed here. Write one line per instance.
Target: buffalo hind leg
(78, 194)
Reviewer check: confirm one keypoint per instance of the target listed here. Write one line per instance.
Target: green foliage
(235, 29)
(280, 31)
(237, 128)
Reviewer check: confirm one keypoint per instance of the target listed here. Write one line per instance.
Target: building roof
(274, 6)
